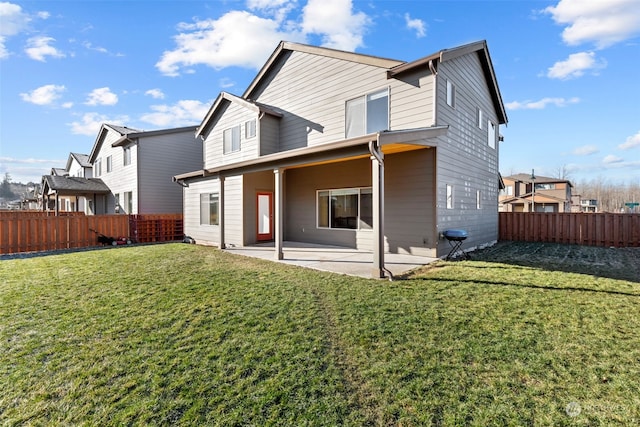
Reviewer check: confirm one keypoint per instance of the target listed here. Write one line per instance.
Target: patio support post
(221, 214)
(57, 204)
(377, 181)
(278, 223)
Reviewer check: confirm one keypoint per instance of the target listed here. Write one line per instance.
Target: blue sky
(568, 70)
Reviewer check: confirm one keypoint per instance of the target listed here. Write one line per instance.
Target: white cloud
(278, 9)
(236, 38)
(632, 141)
(39, 48)
(246, 39)
(226, 83)
(585, 150)
(12, 21)
(155, 93)
(612, 159)
(417, 25)
(602, 22)
(335, 21)
(102, 96)
(183, 113)
(44, 95)
(575, 66)
(541, 104)
(90, 123)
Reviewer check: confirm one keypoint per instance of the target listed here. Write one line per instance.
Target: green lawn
(189, 335)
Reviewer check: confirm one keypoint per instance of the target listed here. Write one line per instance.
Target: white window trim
(364, 97)
(451, 94)
(217, 194)
(231, 149)
(450, 201)
(359, 190)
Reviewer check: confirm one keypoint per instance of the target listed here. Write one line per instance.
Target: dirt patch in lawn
(614, 263)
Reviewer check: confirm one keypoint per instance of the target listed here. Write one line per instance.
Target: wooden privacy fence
(41, 232)
(592, 229)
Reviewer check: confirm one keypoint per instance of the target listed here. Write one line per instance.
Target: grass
(189, 335)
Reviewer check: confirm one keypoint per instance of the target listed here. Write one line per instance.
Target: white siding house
(138, 166)
(338, 148)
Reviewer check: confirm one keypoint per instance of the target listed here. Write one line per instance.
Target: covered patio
(334, 259)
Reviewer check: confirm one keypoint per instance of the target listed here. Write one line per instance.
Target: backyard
(523, 334)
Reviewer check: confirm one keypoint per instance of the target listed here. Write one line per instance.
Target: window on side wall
(491, 134)
(479, 118)
(128, 202)
(250, 129)
(109, 164)
(231, 139)
(449, 196)
(209, 208)
(367, 114)
(346, 208)
(97, 168)
(451, 94)
(478, 199)
(127, 155)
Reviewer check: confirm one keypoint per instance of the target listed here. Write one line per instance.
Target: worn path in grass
(190, 335)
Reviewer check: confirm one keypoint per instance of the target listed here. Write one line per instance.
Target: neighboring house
(138, 166)
(339, 148)
(64, 193)
(72, 189)
(548, 194)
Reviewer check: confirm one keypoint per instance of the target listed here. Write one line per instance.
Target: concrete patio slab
(333, 259)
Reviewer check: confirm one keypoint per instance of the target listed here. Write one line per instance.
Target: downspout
(377, 158)
(434, 72)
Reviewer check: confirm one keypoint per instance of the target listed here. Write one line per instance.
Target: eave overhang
(348, 149)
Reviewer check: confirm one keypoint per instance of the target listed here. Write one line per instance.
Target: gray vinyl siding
(300, 204)
(233, 115)
(464, 157)
(312, 90)
(411, 101)
(254, 183)
(203, 234)
(233, 211)
(409, 202)
(269, 133)
(122, 178)
(160, 158)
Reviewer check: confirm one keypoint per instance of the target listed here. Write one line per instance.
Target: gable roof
(224, 98)
(82, 159)
(73, 185)
(132, 136)
(479, 47)
(285, 47)
(102, 134)
(59, 172)
(524, 177)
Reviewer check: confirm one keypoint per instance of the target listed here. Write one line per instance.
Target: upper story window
(109, 165)
(545, 186)
(449, 196)
(231, 139)
(367, 114)
(250, 129)
(479, 118)
(127, 156)
(451, 94)
(97, 167)
(491, 134)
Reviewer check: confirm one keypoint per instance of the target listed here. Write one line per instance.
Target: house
(137, 166)
(340, 148)
(529, 193)
(72, 189)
